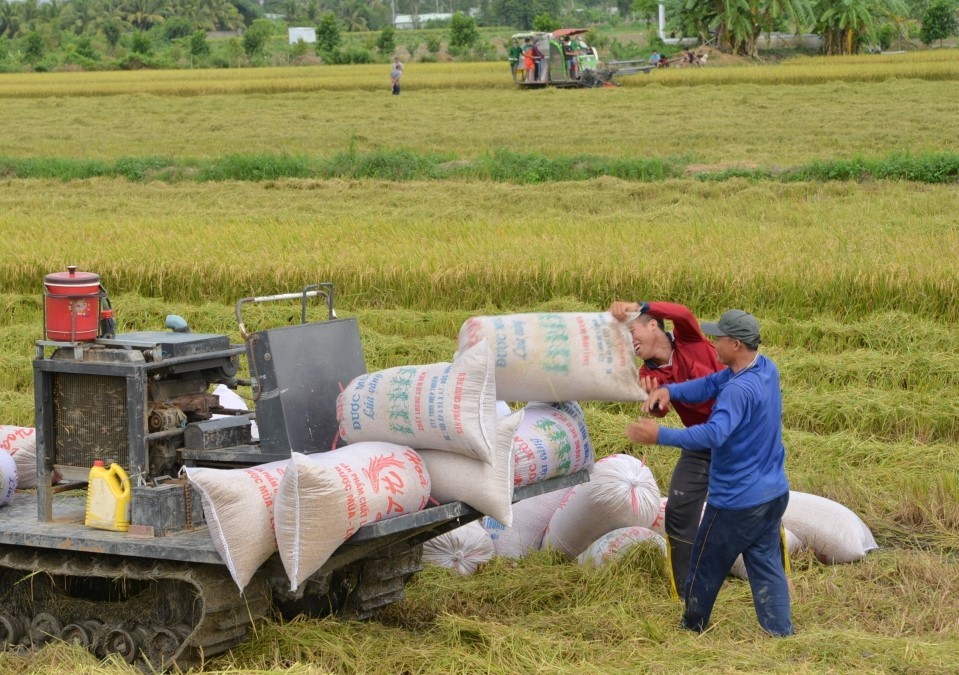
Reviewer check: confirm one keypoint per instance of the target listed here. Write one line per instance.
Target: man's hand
(620, 310)
(650, 385)
(658, 402)
(645, 432)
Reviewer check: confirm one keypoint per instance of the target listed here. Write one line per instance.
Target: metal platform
(66, 532)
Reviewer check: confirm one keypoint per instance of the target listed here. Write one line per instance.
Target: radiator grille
(90, 419)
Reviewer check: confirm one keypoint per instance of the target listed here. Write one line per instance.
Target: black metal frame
(136, 377)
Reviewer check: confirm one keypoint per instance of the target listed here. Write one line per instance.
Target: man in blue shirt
(748, 489)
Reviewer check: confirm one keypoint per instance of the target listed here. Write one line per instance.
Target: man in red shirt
(684, 354)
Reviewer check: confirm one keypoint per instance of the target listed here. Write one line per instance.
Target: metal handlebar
(324, 290)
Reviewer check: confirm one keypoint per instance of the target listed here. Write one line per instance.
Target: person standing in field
(748, 487)
(395, 75)
(515, 52)
(684, 354)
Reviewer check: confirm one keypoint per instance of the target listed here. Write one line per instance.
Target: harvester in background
(588, 70)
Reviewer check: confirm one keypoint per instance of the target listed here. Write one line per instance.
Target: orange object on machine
(71, 305)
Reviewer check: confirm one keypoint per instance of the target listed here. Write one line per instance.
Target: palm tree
(9, 19)
(144, 14)
(79, 16)
(844, 23)
(353, 15)
(291, 8)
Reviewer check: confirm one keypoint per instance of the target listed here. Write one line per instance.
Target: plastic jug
(108, 498)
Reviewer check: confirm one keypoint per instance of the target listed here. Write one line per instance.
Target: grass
(502, 166)
(717, 127)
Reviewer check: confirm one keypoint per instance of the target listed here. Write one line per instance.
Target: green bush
(886, 34)
(33, 48)
(176, 27)
(140, 43)
(463, 32)
(348, 55)
(256, 37)
(386, 42)
(327, 34)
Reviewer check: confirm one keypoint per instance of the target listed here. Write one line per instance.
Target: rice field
(854, 282)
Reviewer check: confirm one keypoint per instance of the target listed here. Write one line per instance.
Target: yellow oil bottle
(108, 498)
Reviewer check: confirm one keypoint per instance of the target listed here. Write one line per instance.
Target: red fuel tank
(71, 305)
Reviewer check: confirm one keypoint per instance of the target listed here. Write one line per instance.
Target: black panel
(300, 370)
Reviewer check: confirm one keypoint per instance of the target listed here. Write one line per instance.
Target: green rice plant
(255, 168)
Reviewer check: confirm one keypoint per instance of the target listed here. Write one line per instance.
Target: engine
(127, 400)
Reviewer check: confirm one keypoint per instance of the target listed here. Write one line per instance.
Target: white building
(307, 34)
(409, 21)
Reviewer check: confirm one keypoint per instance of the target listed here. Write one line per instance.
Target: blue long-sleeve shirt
(744, 432)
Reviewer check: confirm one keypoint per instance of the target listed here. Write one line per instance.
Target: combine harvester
(160, 595)
(591, 72)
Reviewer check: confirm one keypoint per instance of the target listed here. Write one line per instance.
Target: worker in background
(748, 488)
(654, 58)
(515, 52)
(395, 74)
(571, 52)
(528, 64)
(684, 354)
(539, 64)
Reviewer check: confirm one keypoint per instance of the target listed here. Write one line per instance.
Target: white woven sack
(659, 522)
(832, 531)
(552, 441)
(230, 399)
(443, 406)
(621, 492)
(488, 488)
(463, 549)
(614, 545)
(21, 443)
(326, 497)
(503, 409)
(558, 357)
(793, 546)
(238, 506)
(530, 518)
(8, 478)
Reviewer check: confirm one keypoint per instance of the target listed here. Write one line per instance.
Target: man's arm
(685, 325)
(699, 390)
(726, 416)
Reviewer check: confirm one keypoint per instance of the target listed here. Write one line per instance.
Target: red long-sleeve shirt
(693, 356)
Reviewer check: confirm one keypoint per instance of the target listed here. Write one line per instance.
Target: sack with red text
(621, 492)
(530, 518)
(21, 443)
(792, 543)
(326, 497)
(443, 406)
(614, 545)
(552, 441)
(8, 478)
(558, 357)
(833, 532)
(238, 506)
(659, 522)
(488, 488)
(463, 549)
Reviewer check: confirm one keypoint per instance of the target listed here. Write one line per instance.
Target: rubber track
(225, 618)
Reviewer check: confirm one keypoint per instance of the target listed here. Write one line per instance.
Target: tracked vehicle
(159, 594)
